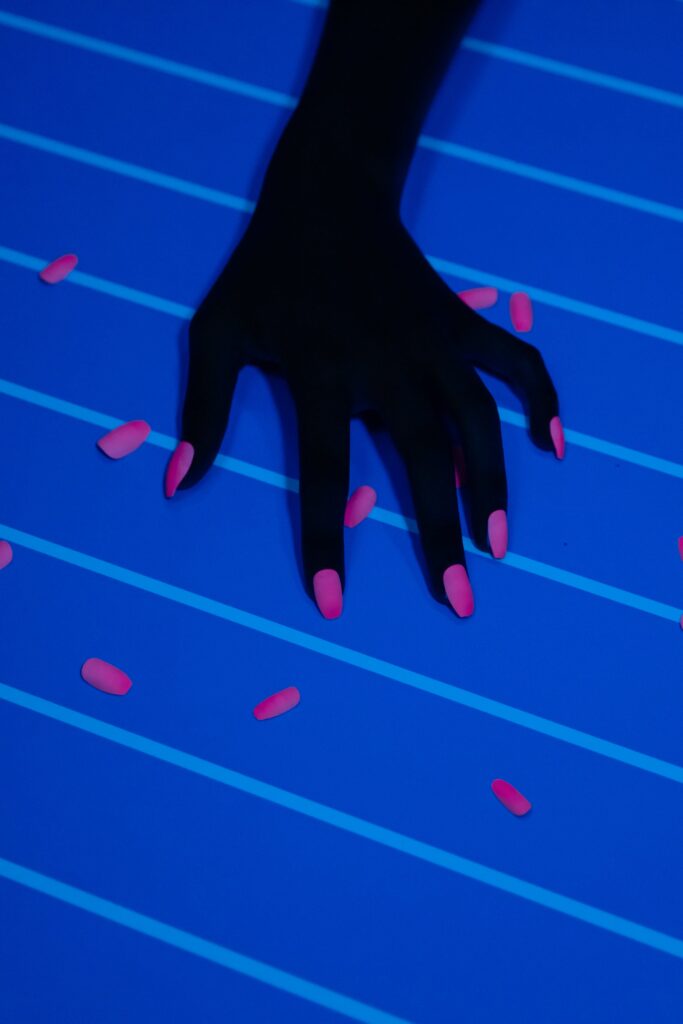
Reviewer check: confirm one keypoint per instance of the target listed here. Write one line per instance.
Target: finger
(476, 415)
(424, 444)
(214, 367)
(323, 422)
(521, 365)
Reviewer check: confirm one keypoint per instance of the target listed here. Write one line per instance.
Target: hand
(328, 286)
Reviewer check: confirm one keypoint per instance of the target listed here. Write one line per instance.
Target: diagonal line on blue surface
(248, 469)
(273, 97)
(188, 942)
(361, 827)
(226, 199)
(345, 655)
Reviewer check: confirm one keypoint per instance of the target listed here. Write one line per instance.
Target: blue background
(579, 627)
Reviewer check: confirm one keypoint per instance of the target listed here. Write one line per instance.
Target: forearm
(375, 74)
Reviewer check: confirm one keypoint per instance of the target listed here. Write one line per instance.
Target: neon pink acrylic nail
(510, 797)
(498, 533)
(6, 553)
(124, 439)
(557, 435)
(277, 704)
(178, 466)
(680, 546)
(360, 505)
(105, 677)
(60, 268)
(479, 298)
(328, 593)
(459, 590)
(521, 312)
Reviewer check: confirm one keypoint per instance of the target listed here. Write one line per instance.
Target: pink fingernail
(498, 533)
(479, 298)
(277, 704)
(60, 268)
(328, 593)
(459, 461)
(6, 553)
(557, 435)
(105, 677)
(124, 439)
(360, 505)
(680, 546)
(177, 468)
(459, 590)
(521, 312)
(510, 797)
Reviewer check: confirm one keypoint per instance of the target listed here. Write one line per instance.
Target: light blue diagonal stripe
(145, 60)
(190, 943)
(345, 655)
(569, 305)
(127, 170)
(349, 823)
(573, 71)
(563, 181)
(442, 146)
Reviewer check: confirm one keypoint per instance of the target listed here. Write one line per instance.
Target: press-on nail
(124, 439)
(498, 533)
(105, 677)
(328, 593)
(479, 298)
(60, 268)
(510, 797)
(557, 435)
(277, 704)
(177, 468)
(360, 505)
(521, 312)
(459, 590)
(680, 546)
(6, 553)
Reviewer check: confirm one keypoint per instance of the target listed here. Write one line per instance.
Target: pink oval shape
(6, 553)
(479, 298)
(680, 546)
(178, 467)
(60, 268)
(277, 704)
(327, 590)
(105, 677)
(521, 312)
(360, 505)
(510, 797)
(124, 439)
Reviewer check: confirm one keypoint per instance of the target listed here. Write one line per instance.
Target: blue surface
(167, 858)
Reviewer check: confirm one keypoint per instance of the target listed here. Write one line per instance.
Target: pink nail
(680, 546)
(459, 590)
(277, 704)
(328, 593)
(6, 553)
(360, 505)
(124, 439)
(105, 677)
(459, 461)
(510, 797)
(177, 468)
(498, 533)
(557, 435)
(60, 268)
(479, 298)
(521, 312)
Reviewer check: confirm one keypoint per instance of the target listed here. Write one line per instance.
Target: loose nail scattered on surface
(521, 312)
(125, 439)
(277, 704)
(6, 553)
(510, 797)
(60, 268)
(105, 677)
